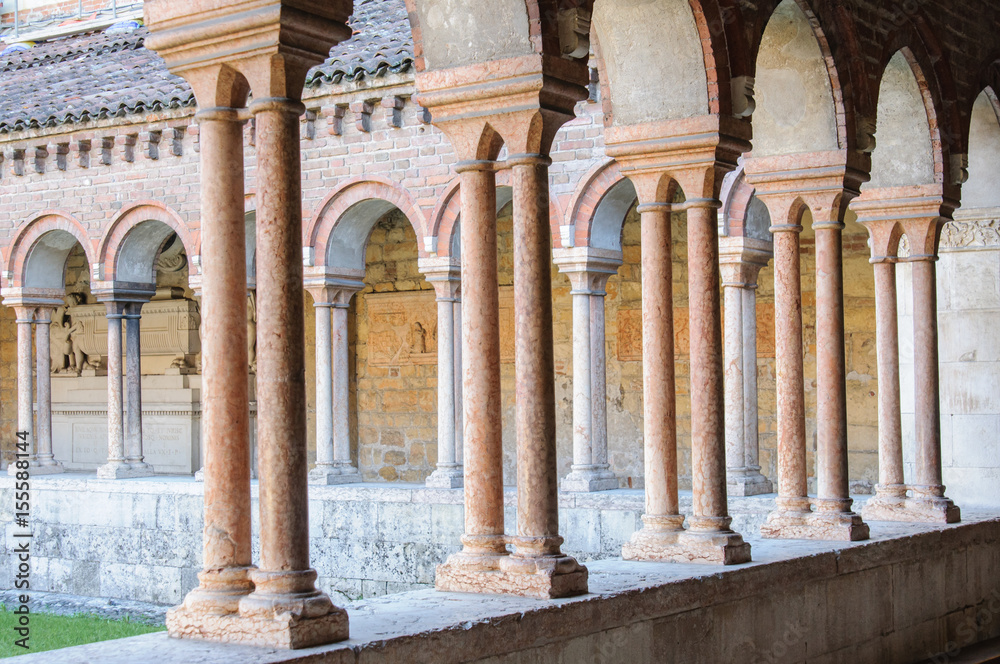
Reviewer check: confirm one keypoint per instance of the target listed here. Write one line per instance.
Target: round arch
(338, 235)
(38, 253)
(129, 248)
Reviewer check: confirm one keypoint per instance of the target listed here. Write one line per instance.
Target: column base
(585, 481)
(446, 478)
(285, 630)
(748, 483)
(823, 525)
(888, 504)
(330, 475)
(544, 577)
(119, 470)
(34, 468)
(663, 539)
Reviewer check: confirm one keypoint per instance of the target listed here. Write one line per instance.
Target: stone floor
(62, 604)
(833, 592)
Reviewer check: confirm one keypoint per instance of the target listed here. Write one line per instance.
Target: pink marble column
(710, 516)
(928, 491)
(284, 582)
(662, 520)
(44, 458)
(793, 498)
(483, 543)
(890, 493)
(537, 544)
(225, 372)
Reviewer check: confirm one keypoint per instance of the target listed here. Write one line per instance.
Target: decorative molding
(971, 234)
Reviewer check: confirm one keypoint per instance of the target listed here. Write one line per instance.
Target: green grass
(49, 632)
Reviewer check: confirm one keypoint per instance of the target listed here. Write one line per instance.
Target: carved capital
(588, 269)
(445, 274)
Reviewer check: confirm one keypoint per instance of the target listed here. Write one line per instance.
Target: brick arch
(22, 253)
(348, 214)
(593, 211)
(121, 242)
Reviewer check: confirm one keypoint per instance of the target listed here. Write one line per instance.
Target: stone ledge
(646, 604)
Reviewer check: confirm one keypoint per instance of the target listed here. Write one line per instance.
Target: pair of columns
(919, 214)
(537, 567)
(34, 314)
(125, 457)
(824, 185)
(276, 603)
(332, 301)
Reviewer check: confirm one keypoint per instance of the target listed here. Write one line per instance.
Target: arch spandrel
(904, 154)
(653, 57)
(461, 32)
(796, 108)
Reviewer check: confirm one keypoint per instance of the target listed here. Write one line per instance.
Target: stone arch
(743, 214)
(908, 146)
(129, 249)
(38, 253)
(799, 97)
(980, 191)
(598, 208)
(447, 217)
(635, 34)
(339, 233)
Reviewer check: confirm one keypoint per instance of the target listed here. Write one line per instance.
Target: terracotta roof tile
(99, 75)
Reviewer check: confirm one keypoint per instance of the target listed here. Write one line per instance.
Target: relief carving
(402, 328)
(978, 233)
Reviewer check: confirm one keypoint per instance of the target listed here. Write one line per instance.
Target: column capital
(823, 182)
(694, 153)
(121, 295)
(918, 212)
(31, 299)
(333, 291)
(588, 268)
(445, 274)
(741, 259)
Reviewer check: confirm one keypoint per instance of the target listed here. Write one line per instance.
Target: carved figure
(64, 353)
(418, 339)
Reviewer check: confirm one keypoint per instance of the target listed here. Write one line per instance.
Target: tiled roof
(99, 75)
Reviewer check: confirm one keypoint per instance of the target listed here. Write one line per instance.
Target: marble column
(133, 391)
(662, 520)
(284, 584)
(44, 459)
(25, 398)
(832, 505)
(444, 275)
(537, 545)
(116, 467)
(709, 521)
(588, 271)
(792, 504)
(227, 556)
(890, 492)
(928, 500)
(741, 260)
(333, 443)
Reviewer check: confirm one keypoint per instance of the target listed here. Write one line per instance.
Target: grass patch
(49, 631)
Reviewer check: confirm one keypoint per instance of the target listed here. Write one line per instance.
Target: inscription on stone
(90, 443)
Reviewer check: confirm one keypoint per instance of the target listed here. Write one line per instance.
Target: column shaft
(925, 370)
(25, 398)
(583, 401)
(599, 386)
(790, 379)
(324, 386)
(890, 432)
(659, 404)
(749, 334)
(537, 489)
(225, 372)
(133, 389)
(116, 431)
(341, 392)
(735, 382)
(831, 378)
(446, 383)
(457, 391)
(43, 363)
(708, 453)
(484, 519)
